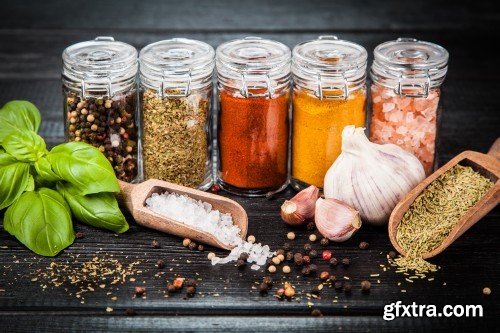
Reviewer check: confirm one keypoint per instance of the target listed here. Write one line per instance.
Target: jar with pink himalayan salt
(407, 75)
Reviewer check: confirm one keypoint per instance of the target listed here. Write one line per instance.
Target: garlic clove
(335, 220)
(300, 209)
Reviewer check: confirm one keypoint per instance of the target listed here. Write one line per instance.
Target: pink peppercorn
(327, 255)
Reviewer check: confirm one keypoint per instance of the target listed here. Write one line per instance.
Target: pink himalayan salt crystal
(407, 122)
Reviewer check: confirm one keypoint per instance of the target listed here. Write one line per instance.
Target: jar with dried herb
(100, 101)
(253, 123)
(329, 94)
(176, 91)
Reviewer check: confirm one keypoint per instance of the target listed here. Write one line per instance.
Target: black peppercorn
(280, 251)
(334, 262)
(297, 258)
(313, 254)
(316, 313)
(313, 268)
(201, 248)
(363, 245)
(286, 246)
(192, 246)
(190, 291)
(324, 241)
(171, 288)
(311, 226)
(160, 264)
(130, 312)
(365, 286)
(79, 234)
(241, 263)
(392, 254)
(347, 287)
(338, 285)
(268, 281)
(263, 288)
(346, 262)
(289, 256)
(316, 290)
(306, 271)
(307, 247)
(244, 256)
(155, 244)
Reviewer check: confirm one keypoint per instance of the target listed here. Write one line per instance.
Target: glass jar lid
(409, 66)
(252, 64)
(176, 66)
(329, 64)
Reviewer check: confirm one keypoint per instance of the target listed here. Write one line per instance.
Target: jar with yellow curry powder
(329, 93)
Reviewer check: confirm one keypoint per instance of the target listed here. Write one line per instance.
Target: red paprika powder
(253, 133)
(253, 141)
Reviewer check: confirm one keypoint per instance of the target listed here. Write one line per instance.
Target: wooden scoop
(133, 197)
(487, 165)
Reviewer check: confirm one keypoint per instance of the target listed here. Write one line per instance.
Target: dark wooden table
(32, 37)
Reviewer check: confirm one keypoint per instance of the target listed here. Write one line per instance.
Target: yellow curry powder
(317, 132)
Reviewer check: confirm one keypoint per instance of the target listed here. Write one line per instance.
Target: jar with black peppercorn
(100, 101)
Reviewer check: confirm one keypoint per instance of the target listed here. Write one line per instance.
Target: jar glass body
(176, 139)
(407, 121)
(317, 125)
(108, 122)
(253, 136)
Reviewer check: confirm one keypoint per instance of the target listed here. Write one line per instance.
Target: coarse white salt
(202, 216)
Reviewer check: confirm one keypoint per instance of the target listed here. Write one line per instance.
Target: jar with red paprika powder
(253, 120)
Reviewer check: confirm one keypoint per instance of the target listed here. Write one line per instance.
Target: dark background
(33, 35)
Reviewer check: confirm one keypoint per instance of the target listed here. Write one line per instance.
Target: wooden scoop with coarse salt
(488, 165)
(133, 197)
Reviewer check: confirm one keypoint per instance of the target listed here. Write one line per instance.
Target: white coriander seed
(290, 235)
(251, 239)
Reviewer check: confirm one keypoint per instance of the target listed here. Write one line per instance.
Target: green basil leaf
(13, 181)
(25, 146)
(83, 166)
(44, 171)
(41, 220)
(6, 159)
(99, 210)
(31, 184)
(18, 116)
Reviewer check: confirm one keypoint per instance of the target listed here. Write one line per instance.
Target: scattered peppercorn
(290, 235)
(171, 288)
(365, 286)
(178, 283)
(324, 275)
(263, 288)
(289, 290)
(346, 262)
(289, 256)
(316, 313)
(313, 254)
(268, 280)
(201, 248)
(191, 283)
(276, 260)
(392, 254)
(190, 291)
(347, 287)
(338, 285)
(313, 237)
(241, 263)
(160, 264)
(297, 258)
(286, 269)
(363, 245)
(311, 226)
(251, 239)
(192, 245)
(334, 261)
(286, 246)
(327, 255)
(280, 292)
(79, 235)
(155, 244)
(244, 256)
(317, 289)
(280, 252)
(130, 312)
(306, 271)
(139, 291)
(313, 268)
(271, 269)
(306, 259)
(324, 241)
(307, 247)
(486, 291)
(186, 242)
(281, 257)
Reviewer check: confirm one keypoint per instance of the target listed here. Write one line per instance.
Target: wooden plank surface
(32, 37)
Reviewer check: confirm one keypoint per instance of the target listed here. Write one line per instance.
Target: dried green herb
(434, 214)
(175, 143)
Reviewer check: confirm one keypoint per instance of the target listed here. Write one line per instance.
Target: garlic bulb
(335, 220)
(371, 178)
(300, 208)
